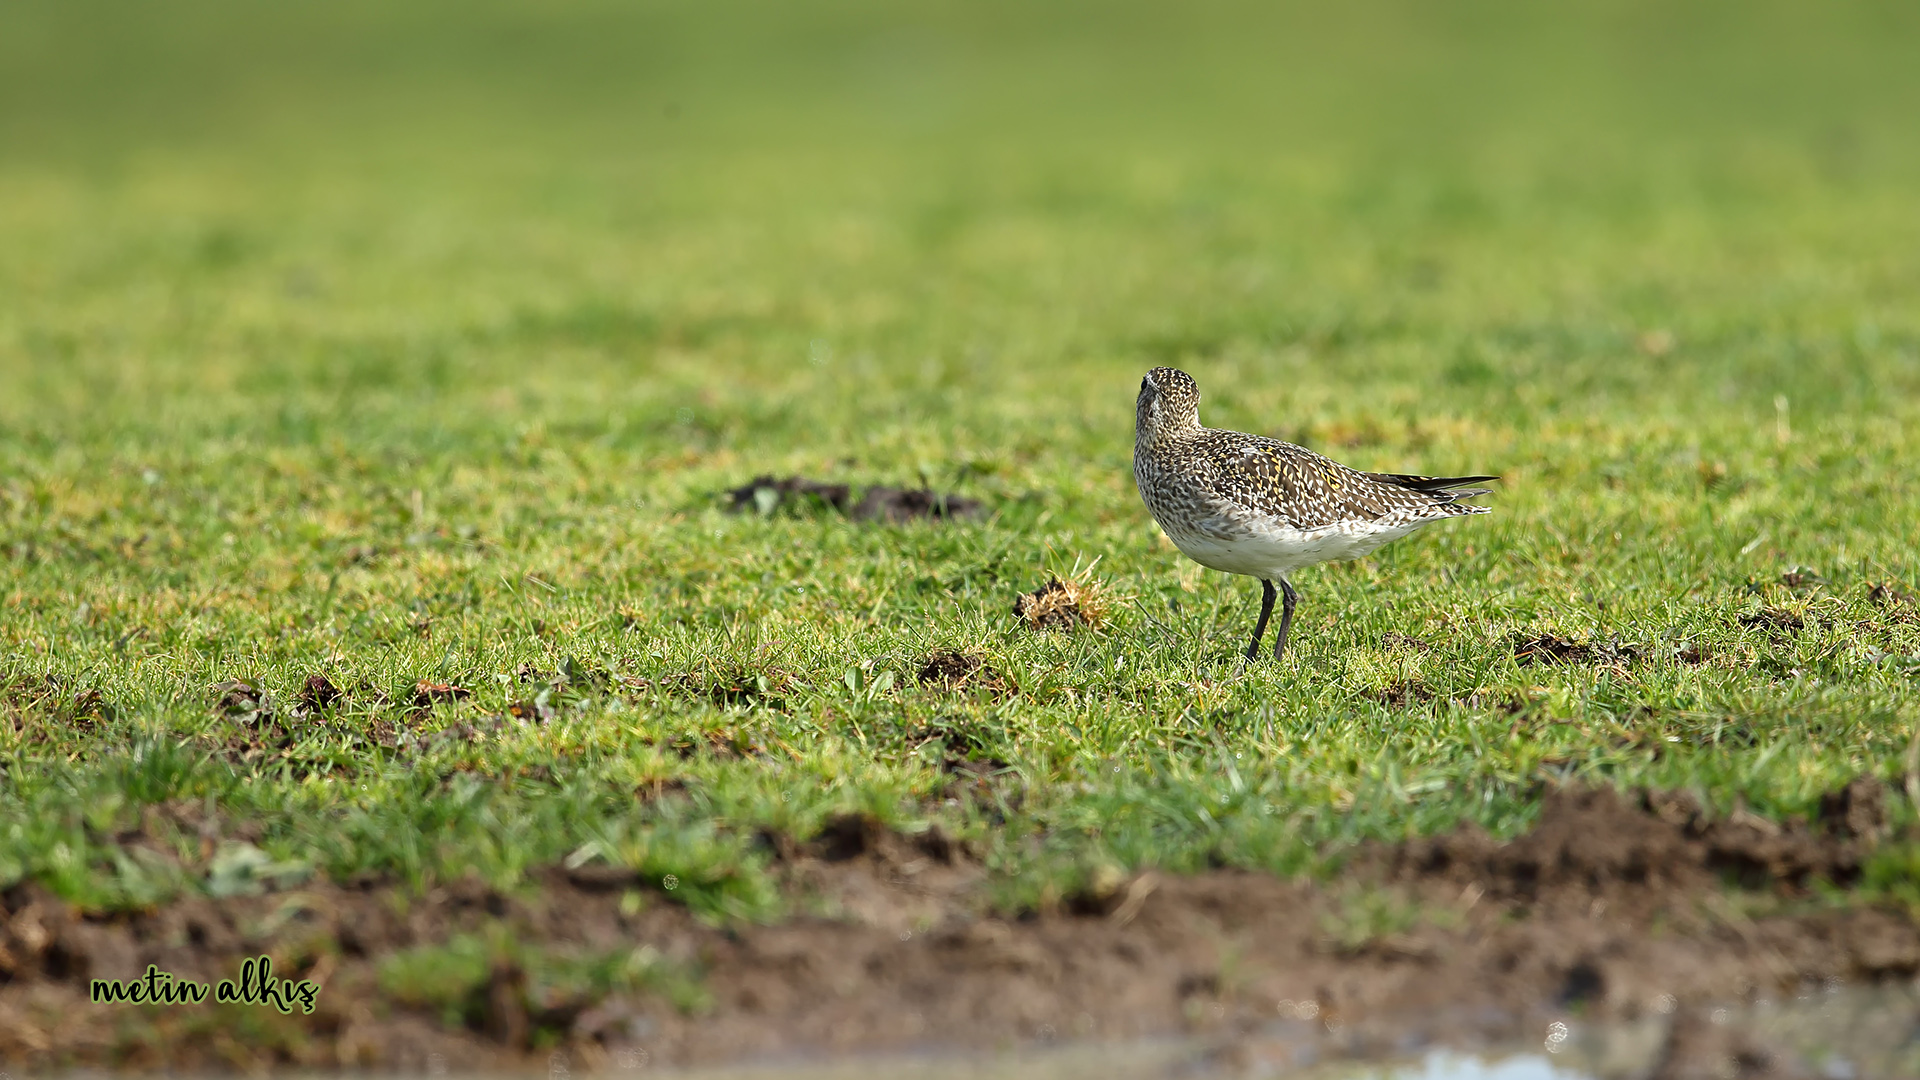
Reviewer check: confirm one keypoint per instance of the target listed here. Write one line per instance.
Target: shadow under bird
(1246, 504)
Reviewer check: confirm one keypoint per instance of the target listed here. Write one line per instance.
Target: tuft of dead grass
(1064, 604)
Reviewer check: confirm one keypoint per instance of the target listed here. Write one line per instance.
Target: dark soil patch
(1894, 600)
(1616, 905)
(1857, 811)
(1404, 694)
(951, 670)
(1548, 649)
(88, 709)
(426, 694)
(1060, 605)
(318, 695)
(1592, 843)
(908, 504)
(766, 494)
(1774, 620)
(959, 735)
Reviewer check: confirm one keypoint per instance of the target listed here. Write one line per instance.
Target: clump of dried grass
(1064, 604)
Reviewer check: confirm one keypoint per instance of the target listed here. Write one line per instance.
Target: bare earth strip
(1612, 907)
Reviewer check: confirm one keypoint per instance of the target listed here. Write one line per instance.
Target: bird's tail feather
(1436, 485)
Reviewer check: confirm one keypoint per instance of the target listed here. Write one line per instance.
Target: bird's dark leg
(1286, 614)
(1260, 627)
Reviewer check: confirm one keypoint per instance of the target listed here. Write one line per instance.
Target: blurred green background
(215, 211)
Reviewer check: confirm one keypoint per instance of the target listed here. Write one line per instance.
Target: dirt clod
(952, 670)
(848, 836)
(1061, 604)
(1896, 602)
(1857, 811)
(243, 700)
(427, 693)
(1774, 619)
(1887, 594)
(909, 504)
(504, 1009)
(765, 494)
(1550, 649)
(1404, 694)
(318, 694)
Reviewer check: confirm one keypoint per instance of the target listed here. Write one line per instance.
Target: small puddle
(1835, 1033)
(1148, 1062)
(1448, 1066)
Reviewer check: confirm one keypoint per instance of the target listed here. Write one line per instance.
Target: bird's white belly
(1275, 551)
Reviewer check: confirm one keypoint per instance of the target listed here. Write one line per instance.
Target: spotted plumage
(1246, 504)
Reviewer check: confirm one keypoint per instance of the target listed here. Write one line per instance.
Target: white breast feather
(1269, 551)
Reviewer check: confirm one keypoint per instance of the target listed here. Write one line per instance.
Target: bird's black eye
(1143, 382)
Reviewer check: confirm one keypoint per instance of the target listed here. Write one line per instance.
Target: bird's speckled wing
(1295, 485)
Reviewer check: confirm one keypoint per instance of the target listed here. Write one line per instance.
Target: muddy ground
(1613, 906)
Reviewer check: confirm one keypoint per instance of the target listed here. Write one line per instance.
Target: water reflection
(1450, 1066)
(1827, 1031)
(1150, 1062)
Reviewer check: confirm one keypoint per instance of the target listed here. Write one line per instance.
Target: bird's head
(1169, 405)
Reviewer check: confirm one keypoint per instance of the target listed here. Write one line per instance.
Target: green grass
(403, 346)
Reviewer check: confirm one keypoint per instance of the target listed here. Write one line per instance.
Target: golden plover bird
(1250, 505)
